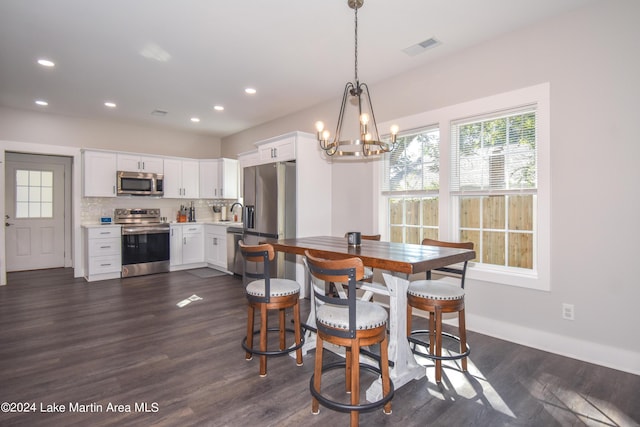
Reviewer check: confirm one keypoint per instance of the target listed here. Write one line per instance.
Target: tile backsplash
(95, 207)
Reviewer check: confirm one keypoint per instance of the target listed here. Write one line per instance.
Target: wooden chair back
(459, 272)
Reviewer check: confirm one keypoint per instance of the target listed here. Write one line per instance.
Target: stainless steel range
(145, 241)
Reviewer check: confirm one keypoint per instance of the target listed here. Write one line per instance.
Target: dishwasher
(235, 263)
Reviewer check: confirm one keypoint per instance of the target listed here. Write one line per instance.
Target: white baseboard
(587, 351)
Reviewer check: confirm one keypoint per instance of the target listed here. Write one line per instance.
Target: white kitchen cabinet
(187, 246)
(181, 179)
(102, 258)
(248, 158)
(137, 163)
(278, 149)
(99, 174)
(215, 250)
(219, 179)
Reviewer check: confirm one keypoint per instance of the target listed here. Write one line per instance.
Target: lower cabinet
(215, 250)
(102, 258)
(187, 246)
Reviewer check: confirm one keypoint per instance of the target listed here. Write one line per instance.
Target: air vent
(159, 113)
(422, 46)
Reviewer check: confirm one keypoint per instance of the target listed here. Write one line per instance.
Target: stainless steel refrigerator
(270, 209)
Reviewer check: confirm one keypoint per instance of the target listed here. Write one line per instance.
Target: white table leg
(405, 366)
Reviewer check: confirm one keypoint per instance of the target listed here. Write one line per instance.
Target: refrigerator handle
(249, 217)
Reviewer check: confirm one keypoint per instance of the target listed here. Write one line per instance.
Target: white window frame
(539, 277)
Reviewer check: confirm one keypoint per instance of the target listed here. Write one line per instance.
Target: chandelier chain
(356, 46)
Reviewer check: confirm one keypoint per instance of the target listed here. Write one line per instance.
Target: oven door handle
(144, 230)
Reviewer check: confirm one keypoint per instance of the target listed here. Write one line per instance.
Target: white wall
(51, 129)
(591, 59)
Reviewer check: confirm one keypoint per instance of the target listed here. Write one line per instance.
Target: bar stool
(444, 295)
(350, 323)
(264, 294)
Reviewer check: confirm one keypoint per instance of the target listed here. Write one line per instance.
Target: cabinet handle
(105, 232)
(139, 165)
(105, 265)
(142, 165)
(105, 247)
(184, 240)
(114, 189)
(215, 241)
(275, 153)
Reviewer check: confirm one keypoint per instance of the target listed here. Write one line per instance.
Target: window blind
(415, 163)
(495, 153)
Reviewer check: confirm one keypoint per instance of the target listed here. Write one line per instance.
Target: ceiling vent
(422, 46)
(159, 113)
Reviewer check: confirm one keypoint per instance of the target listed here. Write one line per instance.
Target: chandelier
(368, 142)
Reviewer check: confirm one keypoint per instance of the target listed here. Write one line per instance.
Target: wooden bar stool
(264, 294)
(350, 323)
(444, 295)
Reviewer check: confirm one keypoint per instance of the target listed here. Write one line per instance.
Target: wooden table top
(397, 257)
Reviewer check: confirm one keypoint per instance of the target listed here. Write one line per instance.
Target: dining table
(397, 261)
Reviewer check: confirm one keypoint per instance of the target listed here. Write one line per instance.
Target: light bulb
(319, 126)
(325, 135)
(364, 118)
(394, 129)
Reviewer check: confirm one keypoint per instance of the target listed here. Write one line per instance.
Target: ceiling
(185, 56)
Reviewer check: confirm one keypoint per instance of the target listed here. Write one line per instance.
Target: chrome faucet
(233, 206)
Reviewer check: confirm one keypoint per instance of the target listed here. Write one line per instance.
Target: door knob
(7, 224)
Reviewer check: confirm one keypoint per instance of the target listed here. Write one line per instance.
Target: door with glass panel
(34, 213)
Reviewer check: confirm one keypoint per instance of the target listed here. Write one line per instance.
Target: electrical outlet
(568, 311)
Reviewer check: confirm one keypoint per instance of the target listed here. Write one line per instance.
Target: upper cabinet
(277, 150)
(181, 179)
(219, 179)
(137, 163)
(99, 174)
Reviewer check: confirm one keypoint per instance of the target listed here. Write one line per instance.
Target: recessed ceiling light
(195, 119)
(218, 107)
(250, 91)
(110, 104)
(42, 103)
(46, 63)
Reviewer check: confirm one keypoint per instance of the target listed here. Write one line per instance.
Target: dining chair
(368, 271)
(350, 323)
(266, 293)
(444, 295)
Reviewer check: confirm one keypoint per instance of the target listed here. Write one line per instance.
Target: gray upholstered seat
(278, 288)
(432, 289)
(368, 316)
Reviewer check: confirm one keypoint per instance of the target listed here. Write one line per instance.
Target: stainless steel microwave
(140, 184)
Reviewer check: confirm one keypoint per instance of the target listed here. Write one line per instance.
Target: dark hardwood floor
(125, 342)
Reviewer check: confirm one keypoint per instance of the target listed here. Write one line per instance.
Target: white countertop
(205, 222)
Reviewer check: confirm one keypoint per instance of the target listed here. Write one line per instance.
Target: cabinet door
(172, 178)
(99, 174)
(152, 164)
(228, 178)
(221, 254)
(129, 162)
(285, 150)
(278, 151)
(209, 177)
(210, 248)
(190, 179)
(192, 244)
(175, 248)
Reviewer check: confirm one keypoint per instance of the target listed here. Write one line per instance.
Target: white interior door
(34, 213)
